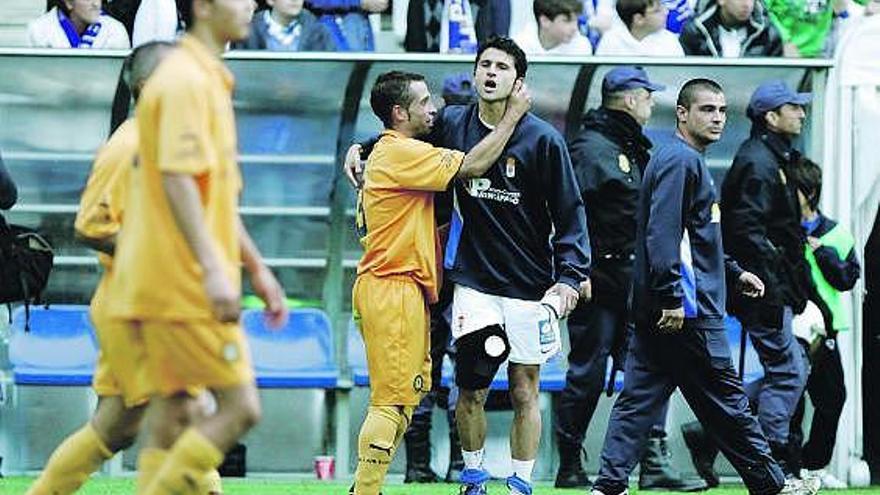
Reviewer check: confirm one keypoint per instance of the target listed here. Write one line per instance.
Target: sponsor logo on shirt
(481, 188)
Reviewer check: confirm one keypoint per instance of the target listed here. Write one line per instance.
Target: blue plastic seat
(60, 349)
(300, 355)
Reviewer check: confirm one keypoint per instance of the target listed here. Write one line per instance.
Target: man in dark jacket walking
(609, 157)
(732, 28)
(762, 233)
(679, 293)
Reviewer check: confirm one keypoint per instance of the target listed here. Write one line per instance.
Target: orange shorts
(183, 356)
(120, 370)
(392, 315)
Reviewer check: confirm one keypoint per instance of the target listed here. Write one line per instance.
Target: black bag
(235, 462)
(25, 264)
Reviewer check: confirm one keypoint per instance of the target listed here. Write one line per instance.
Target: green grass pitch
(111, 486)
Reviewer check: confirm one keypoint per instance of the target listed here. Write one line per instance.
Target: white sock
(523, 469)
(473, 460)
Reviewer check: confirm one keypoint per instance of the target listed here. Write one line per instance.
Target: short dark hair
(627, 9)
(509, 47)
(807, 178)
(392, 88)
(141, 63)
(552, 8)
(688, 92)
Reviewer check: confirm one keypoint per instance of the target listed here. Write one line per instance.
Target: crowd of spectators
(666, 28)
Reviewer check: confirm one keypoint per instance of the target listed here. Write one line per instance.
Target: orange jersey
(396, 208)
(101, 205)
(187, 126)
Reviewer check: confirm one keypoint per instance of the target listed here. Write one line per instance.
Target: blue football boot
(473, 482)
(521, 486)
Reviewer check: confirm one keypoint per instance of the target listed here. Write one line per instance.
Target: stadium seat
(300, 355)
(60, 349)
(296, 372)
(51, 370)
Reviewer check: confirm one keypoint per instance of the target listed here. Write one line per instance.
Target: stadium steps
(16, 16)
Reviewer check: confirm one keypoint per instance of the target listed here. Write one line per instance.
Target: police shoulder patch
(716, 213)
(623, 163)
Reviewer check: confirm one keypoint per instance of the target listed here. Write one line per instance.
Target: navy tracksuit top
(680, 260)
(521, 227)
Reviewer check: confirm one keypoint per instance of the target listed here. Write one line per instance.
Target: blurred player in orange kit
(178, 282)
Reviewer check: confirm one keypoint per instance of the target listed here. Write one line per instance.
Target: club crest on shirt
(419, 383)
(510, 167)
(231, 352)
(623, 164)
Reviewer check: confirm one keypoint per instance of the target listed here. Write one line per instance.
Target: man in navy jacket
(609, 156)
(679, 303)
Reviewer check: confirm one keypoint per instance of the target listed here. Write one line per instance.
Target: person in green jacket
(830, 252)
(806, 25)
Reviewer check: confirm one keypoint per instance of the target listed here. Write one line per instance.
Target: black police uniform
(762, 233)
(608, 156)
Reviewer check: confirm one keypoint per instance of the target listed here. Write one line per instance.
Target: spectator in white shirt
(556, 32)
(156, 20)
(641, 33)
(77, 24)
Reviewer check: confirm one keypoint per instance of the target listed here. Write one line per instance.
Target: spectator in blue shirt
(348, 22)
(287, 27)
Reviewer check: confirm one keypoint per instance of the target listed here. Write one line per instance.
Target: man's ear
(771, 118)
(629, 99)
(680, 113)
(543, 19)
(399, 114)
(637, 19)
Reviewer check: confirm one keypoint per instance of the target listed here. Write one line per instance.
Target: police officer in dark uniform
(762, 232)
(609, 156)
